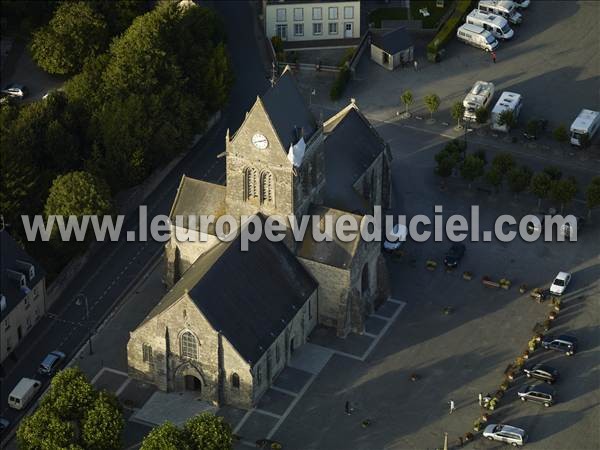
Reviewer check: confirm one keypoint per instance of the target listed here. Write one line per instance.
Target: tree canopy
(202, 432)
(77, 194)
(432, 102)
(75, 32)
(593, 193)
(73, 415)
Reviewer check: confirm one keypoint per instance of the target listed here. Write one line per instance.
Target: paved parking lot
(457, 356)
(553, 61)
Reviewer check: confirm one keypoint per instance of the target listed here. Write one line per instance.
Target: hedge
(340, 83)
(449, 28)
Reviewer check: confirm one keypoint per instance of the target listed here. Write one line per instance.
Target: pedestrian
(460, 441)
(416, 64)
(480, 399)
(494, 57)
(452, 408)
(347, 408)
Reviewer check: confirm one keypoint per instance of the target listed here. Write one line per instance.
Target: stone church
(232, 319)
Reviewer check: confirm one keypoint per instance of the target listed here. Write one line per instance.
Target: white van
(586, 124)
(504, 8)
(480, 96)
(508, 101)
(477, 37)
(23, 392)
(497, 25)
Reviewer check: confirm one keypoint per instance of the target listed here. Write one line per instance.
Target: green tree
(70, 394)
(103, 424)
(407, 99)
(563, 191)
(553, 172)
(561, 134)
(447, 159)
(481, 115)
(74, 33)
(77, 194)
(504, 162)
(45, 430)
(541, 183)
(519, 178)
(208, 432)
(592, 195)
(432, 102)
(507, 119)
(166, 437)
(458, 110)
(472, 168)
(494, 178)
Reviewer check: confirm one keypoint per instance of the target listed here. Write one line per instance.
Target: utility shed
(392, 48)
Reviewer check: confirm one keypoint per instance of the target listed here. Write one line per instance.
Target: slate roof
(10, 253)
(393, 41)
(197, 197)
(250, 297)
(335, 253)
(288, 111)
(351, 146)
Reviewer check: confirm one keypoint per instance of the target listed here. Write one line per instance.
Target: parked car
(542, 372)
(51, 363)
(539, 393)
(565, 229)
(522, 4)
(560, 283)
(4, 425)
(534, 226)
(398, 237)
(563, 343)
(505, 433)
(454, 255)
(16, 90)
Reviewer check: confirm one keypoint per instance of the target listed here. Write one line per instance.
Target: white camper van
(497, 25)
(23, 392)
(508, 101)
(586, 124)
(480, 96)
(504, 8)
(477, 37)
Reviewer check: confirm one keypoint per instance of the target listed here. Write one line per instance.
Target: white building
(294, 20)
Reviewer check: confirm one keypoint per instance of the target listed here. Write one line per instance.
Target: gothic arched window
(235, 380)
(189, 346)
(266, 184)
(250, 183)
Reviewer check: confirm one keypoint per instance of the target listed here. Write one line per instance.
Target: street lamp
(78, 301)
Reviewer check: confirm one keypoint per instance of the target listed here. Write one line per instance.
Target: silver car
(51, 363)
(505, 433)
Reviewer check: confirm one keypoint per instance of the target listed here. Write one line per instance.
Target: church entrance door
(192, 383)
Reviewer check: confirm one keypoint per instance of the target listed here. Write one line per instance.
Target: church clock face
(259, 141)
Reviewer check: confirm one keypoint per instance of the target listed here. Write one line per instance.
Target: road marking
(243, 421)
(285, 391)
(123, 386)
(267, 413)
(377, 316)
(291, 406)
(385, 328)
(371, 335)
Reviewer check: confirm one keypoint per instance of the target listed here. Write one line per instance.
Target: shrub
(447, 30)
(337, 89)
(481, 115)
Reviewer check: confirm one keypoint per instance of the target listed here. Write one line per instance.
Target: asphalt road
(115, 267)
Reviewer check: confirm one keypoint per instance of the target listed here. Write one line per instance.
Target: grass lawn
(380, 14)
(435, 13)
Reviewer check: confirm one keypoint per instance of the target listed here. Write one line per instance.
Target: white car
(396, 238)
(505, 433)
(15, 90)
(560, 283)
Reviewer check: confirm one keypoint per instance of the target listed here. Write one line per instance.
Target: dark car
(51, 363)
(542, 372)
(4, 424)
(563, 343)
(454, 255)
(539, 393)
(566, 227)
